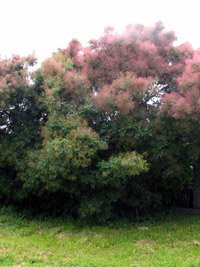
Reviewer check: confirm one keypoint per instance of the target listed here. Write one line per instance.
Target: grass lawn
(170, 241)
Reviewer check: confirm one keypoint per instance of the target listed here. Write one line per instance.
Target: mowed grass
(173, 240)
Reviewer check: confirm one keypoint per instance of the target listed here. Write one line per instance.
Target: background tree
(21, 115)
(183, 107)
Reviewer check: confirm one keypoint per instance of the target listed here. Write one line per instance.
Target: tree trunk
(196, 189)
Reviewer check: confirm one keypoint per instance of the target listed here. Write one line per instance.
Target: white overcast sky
(42, 26)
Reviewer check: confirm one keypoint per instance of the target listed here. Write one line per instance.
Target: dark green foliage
(22, 113)
(69, 165)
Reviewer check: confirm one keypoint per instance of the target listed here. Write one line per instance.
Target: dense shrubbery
(103, 131)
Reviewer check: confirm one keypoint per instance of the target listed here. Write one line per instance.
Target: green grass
(170, 241)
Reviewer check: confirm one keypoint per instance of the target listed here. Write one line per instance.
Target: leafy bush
(103, 131)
